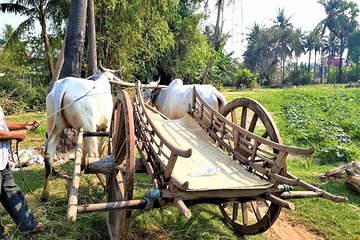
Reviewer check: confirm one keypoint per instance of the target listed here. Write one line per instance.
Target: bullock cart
(207, 157)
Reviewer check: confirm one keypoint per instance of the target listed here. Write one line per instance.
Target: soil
(286, 228)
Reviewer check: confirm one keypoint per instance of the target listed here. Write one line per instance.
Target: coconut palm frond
(24, 26)
(12, 8)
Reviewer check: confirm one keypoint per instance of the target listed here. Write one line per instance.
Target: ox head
(152, 92)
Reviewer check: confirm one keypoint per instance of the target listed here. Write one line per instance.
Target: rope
(22, 171)
(73, 101)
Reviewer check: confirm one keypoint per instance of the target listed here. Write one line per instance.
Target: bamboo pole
(74, 186)
(109, 206)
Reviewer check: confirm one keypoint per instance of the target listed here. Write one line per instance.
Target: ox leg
(102, 146)
(50, 150)
(95, 149)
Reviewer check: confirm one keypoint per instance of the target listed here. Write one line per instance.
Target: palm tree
(283, 30)
(354, 49)
(309, 46)
(91, 33)
(260, 55)
(317, 44)
(35, 11)
(7, 32)
(75, 36)
(297, 46)
(220, 5)
(340, 21)
(331, 48)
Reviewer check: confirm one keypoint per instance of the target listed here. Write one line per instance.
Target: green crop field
(325, 117)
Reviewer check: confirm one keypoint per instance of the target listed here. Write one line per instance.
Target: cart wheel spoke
(243, 117)
(256, 215)
(235, 211)
(265, 135)
(253, 123)
(245, 214)
(234, 116)
(256, 210)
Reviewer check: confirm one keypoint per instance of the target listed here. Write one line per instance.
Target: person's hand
(32, 125)
(20, 135)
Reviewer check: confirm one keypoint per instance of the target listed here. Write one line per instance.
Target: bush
(299, 76)
(245, 78)
(352, 74)
(336, 154)
(19, 95)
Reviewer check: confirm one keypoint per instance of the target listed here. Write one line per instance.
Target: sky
(240, 16)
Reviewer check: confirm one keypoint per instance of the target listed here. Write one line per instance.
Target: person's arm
(16, 134)
(29, 125)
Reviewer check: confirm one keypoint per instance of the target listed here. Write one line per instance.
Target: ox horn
(103, 69)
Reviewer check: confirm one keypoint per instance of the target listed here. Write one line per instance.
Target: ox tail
(58, 100)
(221, 100)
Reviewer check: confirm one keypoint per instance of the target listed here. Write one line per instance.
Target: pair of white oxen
(88, 103)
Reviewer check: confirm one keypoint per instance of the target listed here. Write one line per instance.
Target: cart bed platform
(187, 133)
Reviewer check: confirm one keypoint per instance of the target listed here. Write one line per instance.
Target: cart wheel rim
(250, 217)
(120, 184)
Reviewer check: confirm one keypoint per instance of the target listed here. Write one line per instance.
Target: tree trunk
(315, 66)
(283, 69)
(216, 33)
(58, 65)
(322, 67)
(328, 68)
(91, 50)
(45, 39)
(75, 35)
(309, 63)
(340, 76)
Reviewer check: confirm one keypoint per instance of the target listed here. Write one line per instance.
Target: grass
(327, 118)
(327, 219)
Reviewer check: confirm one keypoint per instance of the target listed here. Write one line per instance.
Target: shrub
(299, 76)
(19, 95)
(245, 78)
(336, 154)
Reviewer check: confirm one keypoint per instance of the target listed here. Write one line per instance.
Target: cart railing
(158, 147)
(245, 146)
(260, 155)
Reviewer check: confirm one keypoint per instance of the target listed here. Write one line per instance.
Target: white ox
(174, 100)
(77, 102)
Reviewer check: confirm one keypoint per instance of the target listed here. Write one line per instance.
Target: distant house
(334, 61)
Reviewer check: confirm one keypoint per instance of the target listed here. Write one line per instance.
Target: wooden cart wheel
(251, 216)
(120, 184)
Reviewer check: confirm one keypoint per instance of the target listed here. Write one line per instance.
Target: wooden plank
(103, 165)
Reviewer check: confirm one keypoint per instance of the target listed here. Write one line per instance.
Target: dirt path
(286, 229)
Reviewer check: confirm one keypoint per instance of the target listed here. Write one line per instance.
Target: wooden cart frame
(253, 184)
